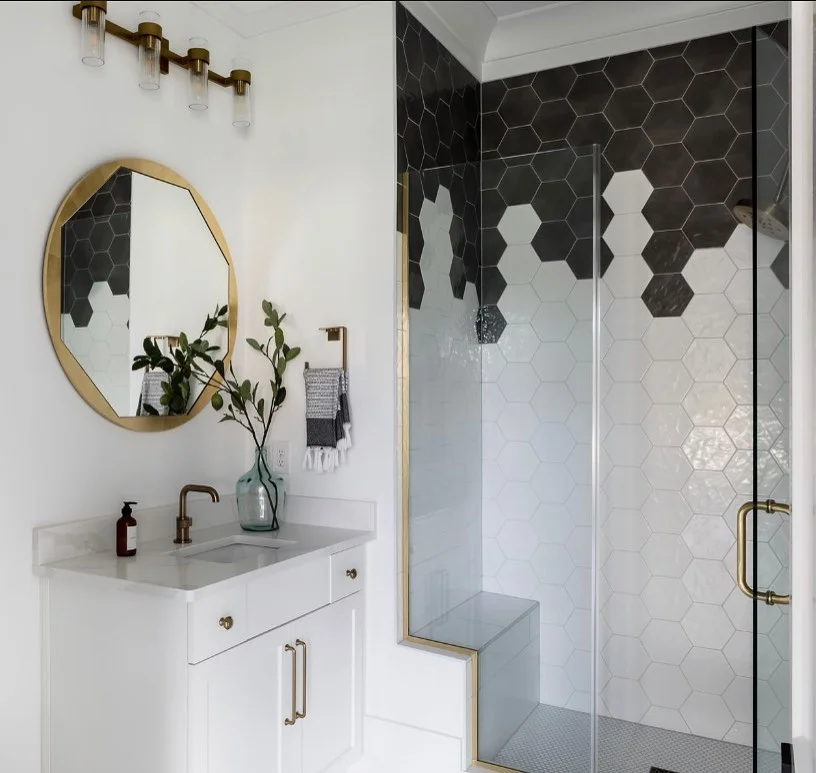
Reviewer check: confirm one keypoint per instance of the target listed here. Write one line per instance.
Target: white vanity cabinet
(287, 701)
(263, 674)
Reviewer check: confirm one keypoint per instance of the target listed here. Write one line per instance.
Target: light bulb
(93, 32)
(150, 35)
(198, 68)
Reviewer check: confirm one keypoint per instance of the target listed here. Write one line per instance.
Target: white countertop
(158, 569)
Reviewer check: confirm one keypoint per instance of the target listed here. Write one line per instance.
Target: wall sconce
(199, 65)
(150, 44)
(155, 57)
(92, 16)
(241, 112)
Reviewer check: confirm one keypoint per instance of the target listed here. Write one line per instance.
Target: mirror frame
(52, 291)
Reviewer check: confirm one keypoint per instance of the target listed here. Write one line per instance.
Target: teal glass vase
(261, 496)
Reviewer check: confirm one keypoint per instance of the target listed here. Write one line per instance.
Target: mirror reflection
(139, 262)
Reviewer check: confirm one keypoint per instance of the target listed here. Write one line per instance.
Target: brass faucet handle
(183, 523)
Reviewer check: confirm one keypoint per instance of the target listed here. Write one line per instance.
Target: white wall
(307, 204)
(60, 460)
(321, 227)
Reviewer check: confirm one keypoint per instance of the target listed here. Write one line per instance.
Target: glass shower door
(763, 522)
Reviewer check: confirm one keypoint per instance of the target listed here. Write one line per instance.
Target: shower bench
(505, 632)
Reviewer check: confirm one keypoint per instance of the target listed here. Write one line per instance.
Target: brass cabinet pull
(226, 622)
(769, 506)
(351, 573)
(301, 643)
(294, 718)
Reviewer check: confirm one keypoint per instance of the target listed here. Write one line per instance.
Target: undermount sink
(231, 550)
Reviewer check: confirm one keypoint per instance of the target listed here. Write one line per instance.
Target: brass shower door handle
(769, 506)
(294, 718)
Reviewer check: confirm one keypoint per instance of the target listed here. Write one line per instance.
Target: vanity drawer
(216, 623)
(347, 572)
(287, 595)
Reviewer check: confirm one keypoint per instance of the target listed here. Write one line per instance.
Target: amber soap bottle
(126, 532)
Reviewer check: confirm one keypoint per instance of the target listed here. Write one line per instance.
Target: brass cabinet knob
(351, 573)
(226, 622)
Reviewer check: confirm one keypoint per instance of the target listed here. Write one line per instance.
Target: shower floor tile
(556, 740)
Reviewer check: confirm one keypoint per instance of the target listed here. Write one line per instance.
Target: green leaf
(223, 323)
(278, 338)
(261, 406)
(273, 316)
(267, 308)
(226, 417)
(281, 366)
(222, 311)
(292, 353)
(282, 317)
(183, 342)
(217, 401)
(246, 389)
(280, 397)
(149, 409)
(254, 344)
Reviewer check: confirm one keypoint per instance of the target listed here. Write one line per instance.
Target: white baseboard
(390, 747)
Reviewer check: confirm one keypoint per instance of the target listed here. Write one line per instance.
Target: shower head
(772, 219)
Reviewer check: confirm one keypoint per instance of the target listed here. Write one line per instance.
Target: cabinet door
(239, 700)
(331, 641)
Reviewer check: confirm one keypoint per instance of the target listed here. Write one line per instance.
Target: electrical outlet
(280, 455)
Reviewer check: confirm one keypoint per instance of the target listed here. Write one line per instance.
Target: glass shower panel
(444, 397)
(499, 433)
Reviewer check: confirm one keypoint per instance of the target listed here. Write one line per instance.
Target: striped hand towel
(328, 418)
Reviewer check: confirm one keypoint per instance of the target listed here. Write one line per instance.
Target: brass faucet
(184, 521)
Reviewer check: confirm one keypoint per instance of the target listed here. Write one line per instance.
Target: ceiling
(501, 9)
(501, 38)
(250, 18)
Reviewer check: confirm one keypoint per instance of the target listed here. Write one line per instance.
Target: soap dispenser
(126, 529)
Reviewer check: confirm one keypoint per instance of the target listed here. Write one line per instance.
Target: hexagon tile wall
(674, 127)
(96, 286)
(675, 378)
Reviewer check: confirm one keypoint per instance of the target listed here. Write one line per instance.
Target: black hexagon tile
(667, 295)
(710, 93)
(628, 69)
(667, 165)
(590, 93)
(553, 241)
(667, 208)
(554, 84)
(667, 252)
(490, 324)
(668, 79)
(709, 137)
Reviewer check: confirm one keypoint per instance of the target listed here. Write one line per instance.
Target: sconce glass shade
(241, 101)
(241, 105)
(93, 34)
(150, 34)
(198, 70)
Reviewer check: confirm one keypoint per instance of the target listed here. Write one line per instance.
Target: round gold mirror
(138, 284)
